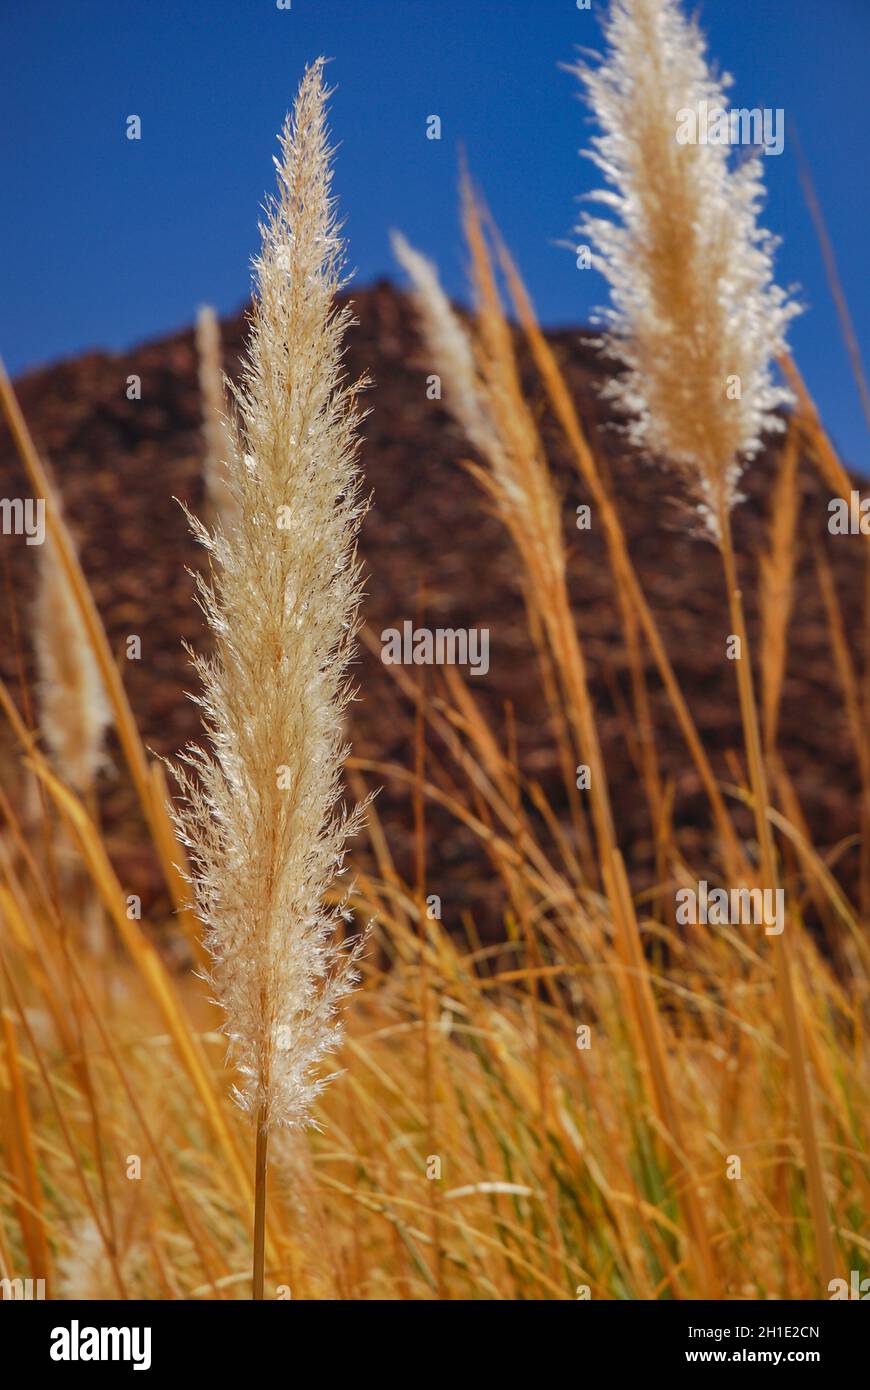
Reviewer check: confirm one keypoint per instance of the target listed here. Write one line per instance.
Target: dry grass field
(573, 1092)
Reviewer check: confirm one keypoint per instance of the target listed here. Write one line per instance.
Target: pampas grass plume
(261, 815)
(690, 269)
(696, 310)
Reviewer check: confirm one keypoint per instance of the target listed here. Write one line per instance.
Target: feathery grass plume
(74, 710)
(482, 390)
(694, 305)
(261, 815)
(221, 502)
(695, 311)
(450, 344)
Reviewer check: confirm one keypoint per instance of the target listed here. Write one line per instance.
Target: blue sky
(105, 241)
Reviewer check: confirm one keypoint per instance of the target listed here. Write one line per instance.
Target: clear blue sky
(105, 241)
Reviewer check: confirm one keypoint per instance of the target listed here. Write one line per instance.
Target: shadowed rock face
(431, 548)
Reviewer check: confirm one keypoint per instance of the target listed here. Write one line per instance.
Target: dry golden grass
(557, 1115)
(562, 1168)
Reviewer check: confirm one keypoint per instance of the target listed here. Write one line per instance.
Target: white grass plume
(482, 391)
(262, 816)
(690, 269)
(450, 344)
(74, 712)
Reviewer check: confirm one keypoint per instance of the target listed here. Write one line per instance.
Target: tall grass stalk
(698, 321)
(261, 814)
(483, 389)
(621, 562)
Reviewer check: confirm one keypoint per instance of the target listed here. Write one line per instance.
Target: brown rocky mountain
(430, 540)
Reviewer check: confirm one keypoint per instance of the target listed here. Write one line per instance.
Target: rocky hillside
(430, 545)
